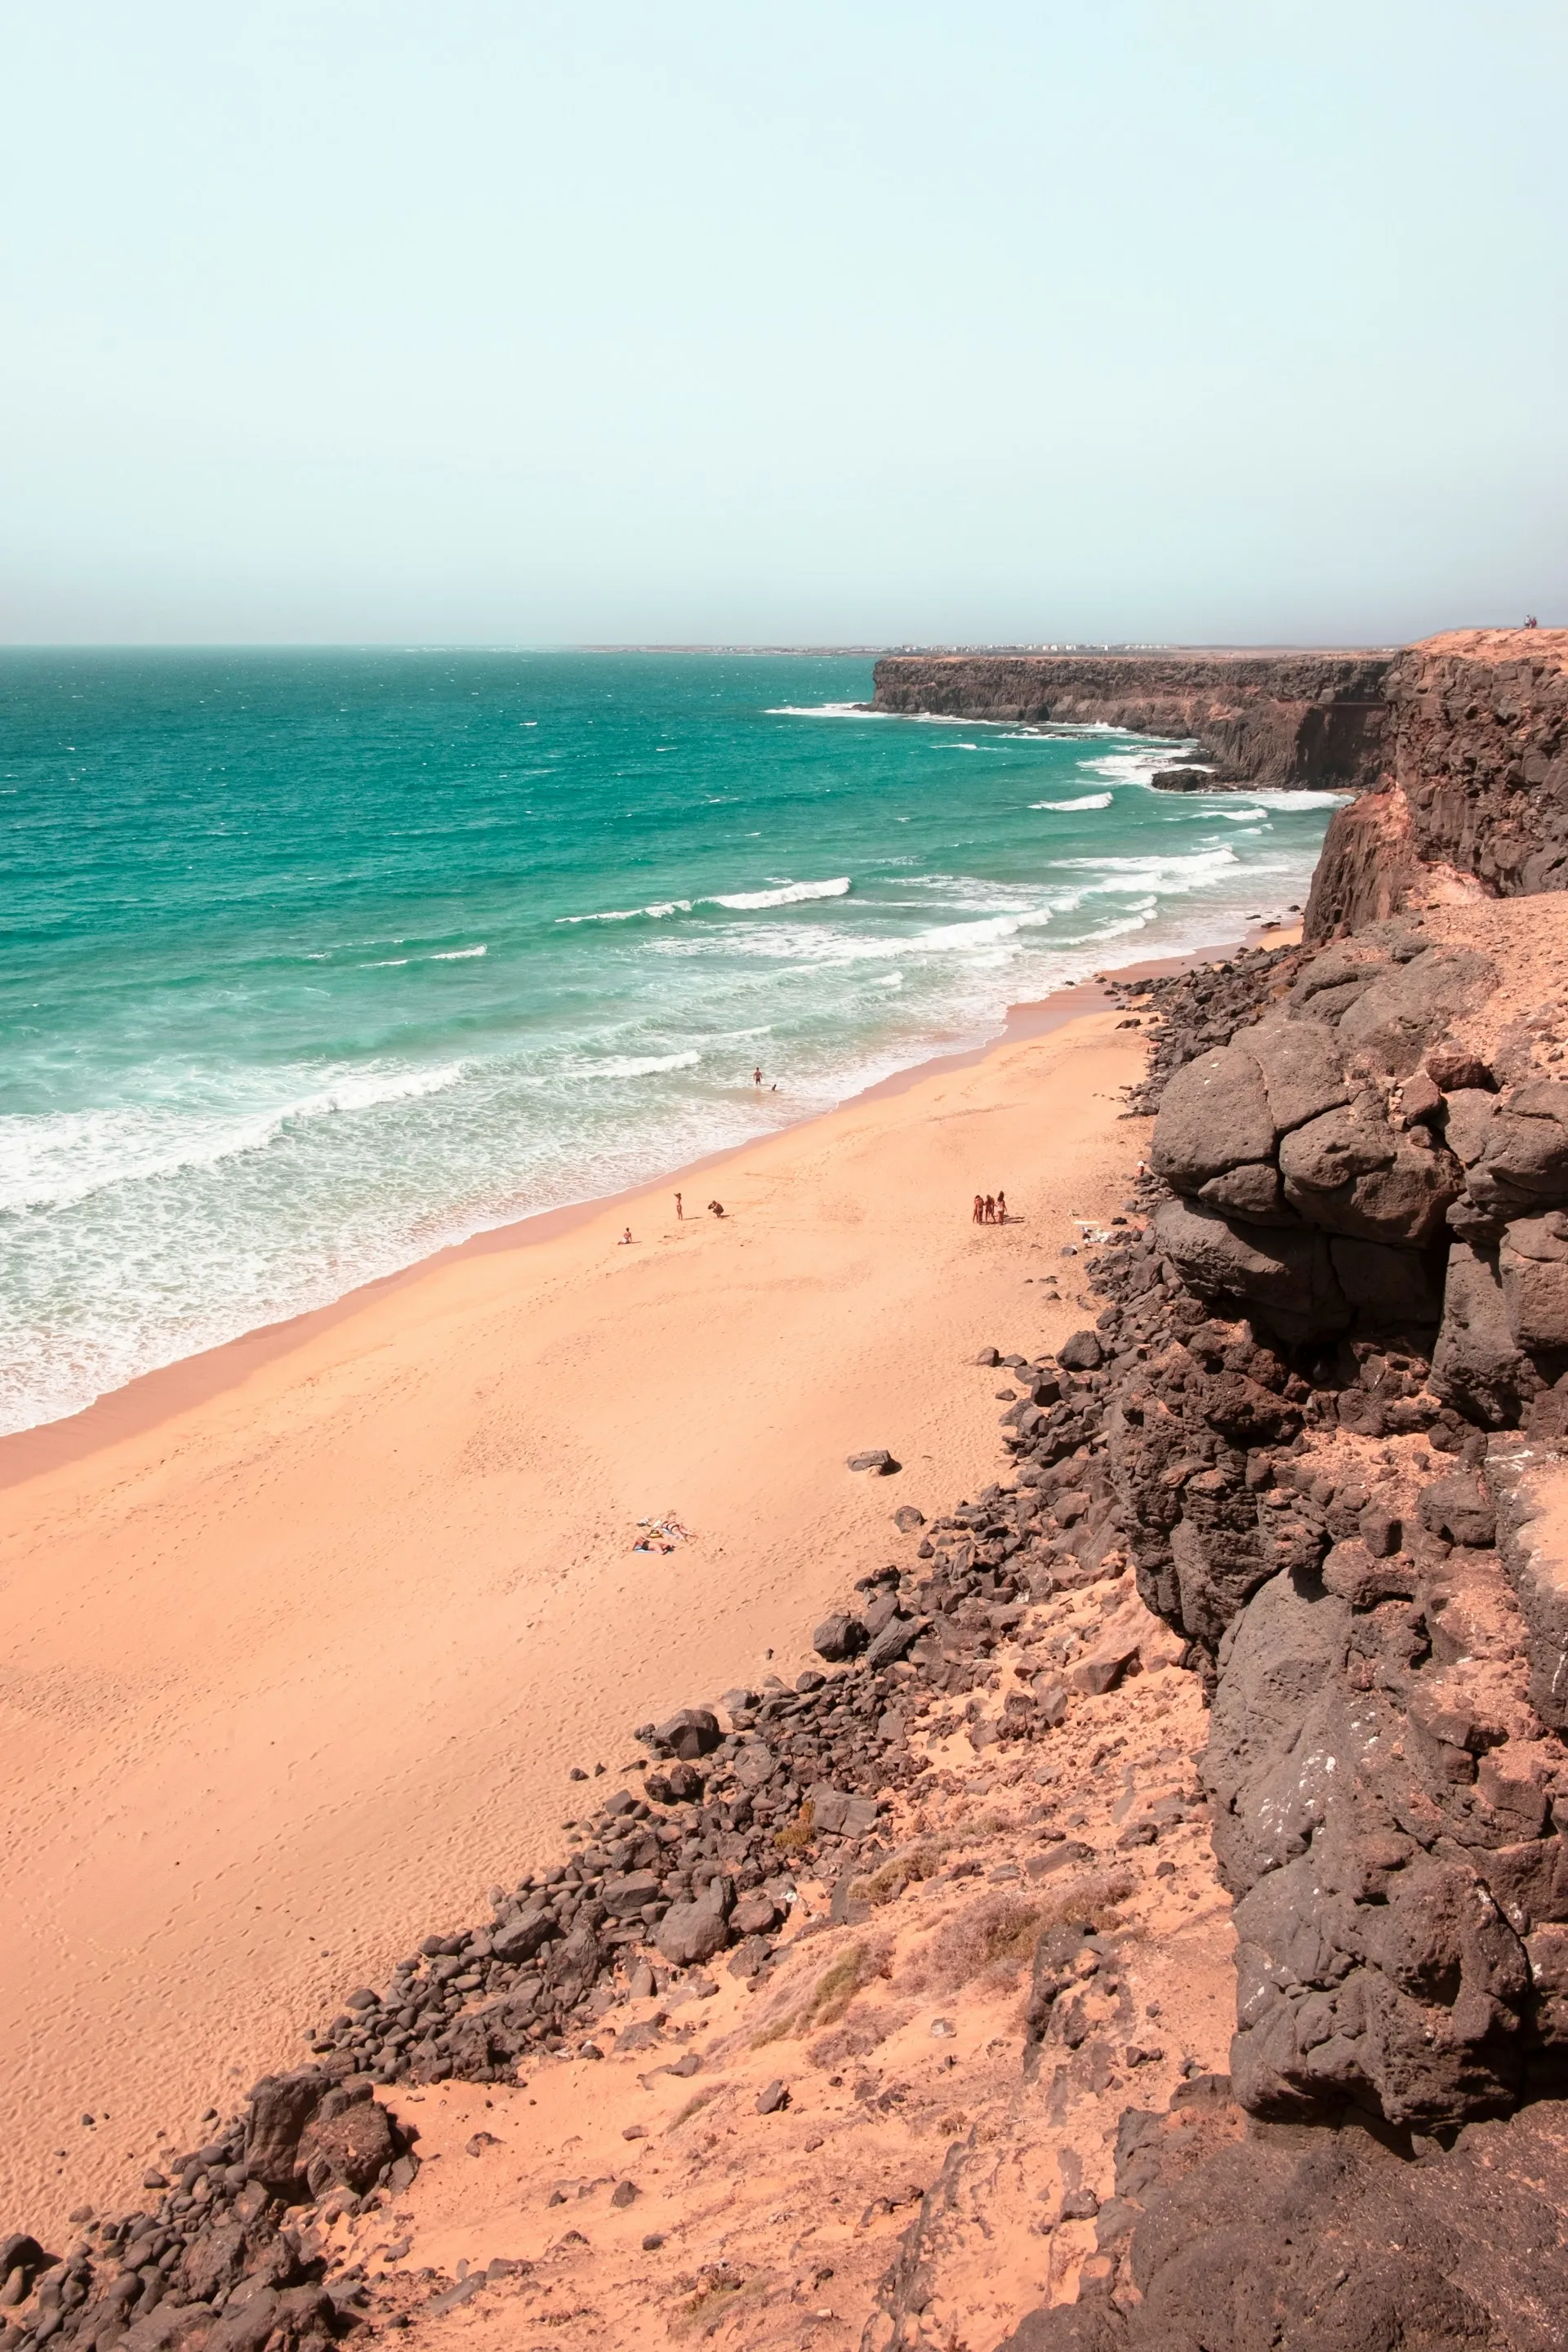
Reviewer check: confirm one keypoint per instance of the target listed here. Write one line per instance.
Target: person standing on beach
(1000, 1208)
(679, 1212)
(757, 1075)
(980, 1208)
(990, 1208)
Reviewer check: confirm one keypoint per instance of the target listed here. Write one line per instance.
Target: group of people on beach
(990, 1207)
(715, 1209)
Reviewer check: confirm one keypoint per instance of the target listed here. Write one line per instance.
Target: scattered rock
(839, 1637)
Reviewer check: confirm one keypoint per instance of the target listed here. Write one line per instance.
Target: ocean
(314, 962)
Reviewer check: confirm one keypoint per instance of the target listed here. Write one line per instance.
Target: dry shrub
(695, 2105)
(864, 2028)
(992, 1939)
(907, 1868)
(834, 1988)
(796, 1835)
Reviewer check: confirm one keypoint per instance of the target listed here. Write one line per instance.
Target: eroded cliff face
(1283, 720)
(1331, 1418)
(1474, 795)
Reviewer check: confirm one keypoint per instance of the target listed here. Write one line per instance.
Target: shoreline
(143, 1405)
(298, 1668)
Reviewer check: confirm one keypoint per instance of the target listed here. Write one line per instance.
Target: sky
(365, 321)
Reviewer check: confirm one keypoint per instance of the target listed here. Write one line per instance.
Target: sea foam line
(787, 894)
(56, 1159)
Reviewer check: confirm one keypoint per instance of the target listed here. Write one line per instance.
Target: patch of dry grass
(908, 1867)
(993, 1940)
(863, 2028)
(856, 1965)
(796, 1835)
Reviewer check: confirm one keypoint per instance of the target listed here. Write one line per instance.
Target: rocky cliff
(1333, 1393)
(1474, 789)
(1286, 720)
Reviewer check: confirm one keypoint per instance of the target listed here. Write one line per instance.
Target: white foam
(825, 710)
(1133, 766)
(738, 902)
(1089, 801)
(1281, 800)
(1196, 865)
(631, 914)
(788, 894)
(50, 1161)
(458, 955)
(629, 1065)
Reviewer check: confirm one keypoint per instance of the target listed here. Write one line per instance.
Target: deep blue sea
(314, 962)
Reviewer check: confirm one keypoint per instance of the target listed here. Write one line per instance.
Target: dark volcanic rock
(839, 1637)
(1286, 2240)
(280, 2107)
(692, 1932)
(348, 2149)
(1476, 778)
(1283, 719)
(689, 1732)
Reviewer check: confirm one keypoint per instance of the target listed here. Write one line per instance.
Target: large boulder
(1303, 1070)
(1314, 2239)
(1214, 1115)
(1532, 1268)
(691, 1933)
(1250, 1194)
(1384, 1883)
(1410, 1006)
(573, 1966)
(689, 1732)
(1513, 1147)
(1478, 1364)
(1287, 1278)
(280, 2107)
(519, 1937)
(840, 1636)
(1350, 1172)
(347, 2145)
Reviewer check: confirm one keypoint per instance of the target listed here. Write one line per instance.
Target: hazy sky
(478, 319)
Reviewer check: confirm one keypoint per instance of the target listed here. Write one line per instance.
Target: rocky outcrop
(1344, 1486)
(1229, 2237)
(1287, 720)
(217, 2260)
(1366, 1197)
(1474, 790)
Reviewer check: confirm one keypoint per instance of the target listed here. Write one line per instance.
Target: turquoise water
(314, 962)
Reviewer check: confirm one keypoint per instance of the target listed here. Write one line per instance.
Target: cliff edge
(1473, 797)
(1286, 720)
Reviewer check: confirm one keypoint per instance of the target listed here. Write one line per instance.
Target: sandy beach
(302, 1650)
